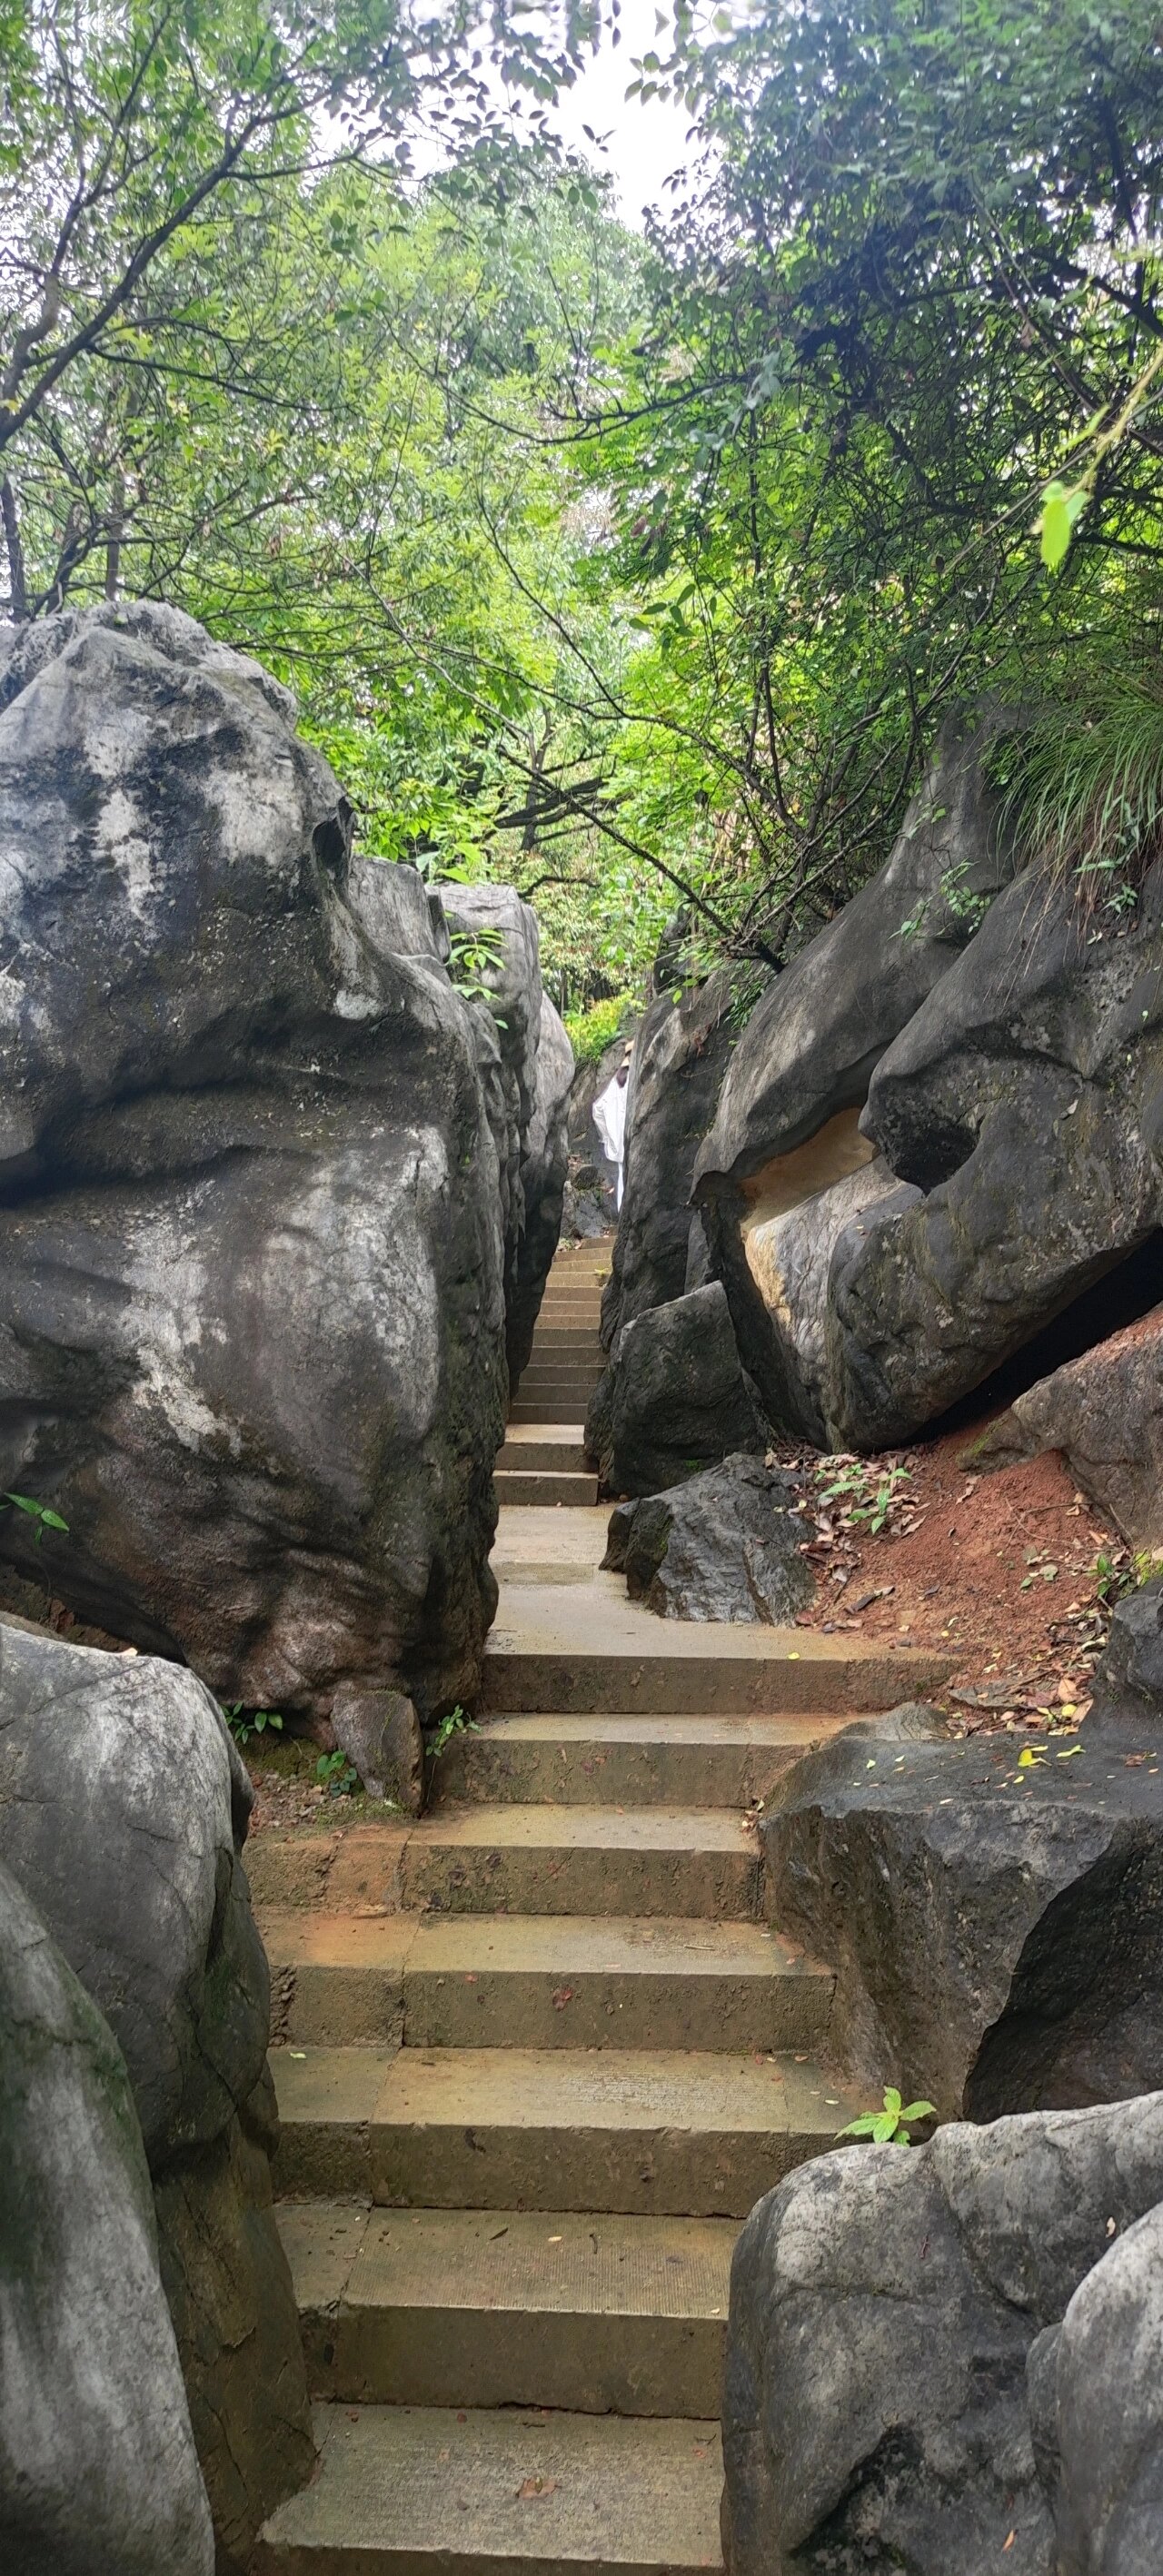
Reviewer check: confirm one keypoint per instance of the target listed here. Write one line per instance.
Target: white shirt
(609, 1115)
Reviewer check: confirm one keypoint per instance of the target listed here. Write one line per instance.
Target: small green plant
(1116, 1575)
(245, 1722)
(890, 2127)
(439, 1737)
(337, 1775)
(474, 955)
(867, 1494)
(38, 1512)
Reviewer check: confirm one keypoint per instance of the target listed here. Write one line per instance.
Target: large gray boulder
(1104, 1410)
(125, 1806)
(997, 1926)
(726, 1546)
(675, 1399)
(98, 2471)
(908, 2339)
(251, 1318)
(1020, 1109)
(787, 1136)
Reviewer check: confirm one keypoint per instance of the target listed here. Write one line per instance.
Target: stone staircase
(543, 1460)
(541, 2055)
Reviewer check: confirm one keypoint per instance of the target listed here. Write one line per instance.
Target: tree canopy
(642, 571)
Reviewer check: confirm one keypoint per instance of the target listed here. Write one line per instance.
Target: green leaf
(892, 2101)
(863, 2127)
(884, 2127)
(919, 2111)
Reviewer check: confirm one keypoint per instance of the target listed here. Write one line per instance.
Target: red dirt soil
(1000, 1568)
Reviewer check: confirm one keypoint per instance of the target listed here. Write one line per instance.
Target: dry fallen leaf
(1008, 2542)
(531, 2489)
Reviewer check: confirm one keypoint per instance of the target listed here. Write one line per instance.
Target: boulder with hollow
(1020, 1110)
(787, 1142)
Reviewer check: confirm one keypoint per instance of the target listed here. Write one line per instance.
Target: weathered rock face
(908, 2336)
(526, 1065)
(1022, 1107)
(98, 2471)
(680, 1057)
(999, 1932)
(544, 1171)
(250, 1228)
(787, 1134)
(675, 1398)
(380, 1733)
(125, 1807)
(1105, 1412)
(725, 1546)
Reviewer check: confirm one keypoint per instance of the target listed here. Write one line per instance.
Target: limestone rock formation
(724, 1546)
(788, 1129)
(948, 2359)
(381, 1735)
(681, 1054)
(526, 1064)
(125, 1808)
(675, 1398)
(1104, 1410)
(98, 2471)
(998, 1930)
(251, 1320)
(1020, 1107)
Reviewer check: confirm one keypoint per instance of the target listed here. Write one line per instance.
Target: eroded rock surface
(675, 1399)
(998, 1929)
(98, 2471)
(125, 1807)
(1020, 1109)
(788, 1132)
(1104, 1410)
(724, 1546)
(908, 2337)
(251, 1317)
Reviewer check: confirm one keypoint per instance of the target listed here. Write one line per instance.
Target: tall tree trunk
(17, 588)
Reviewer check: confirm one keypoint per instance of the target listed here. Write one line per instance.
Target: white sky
(644, 142)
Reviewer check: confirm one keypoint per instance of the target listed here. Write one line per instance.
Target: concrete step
(553, 1981)
(628, 1761)
(558, 1454)
(583, 1648)
(456, 2307)
(539, 1485)
(653, 2132)
(564, 1341)
(558, 1380)
(565, 1410)
(582, 1860)
(610, 1981)
(416, 2489)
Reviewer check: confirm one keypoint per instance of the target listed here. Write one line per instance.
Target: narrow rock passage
(542, 2054)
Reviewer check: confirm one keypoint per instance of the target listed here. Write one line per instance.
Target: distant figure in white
(610, 1120)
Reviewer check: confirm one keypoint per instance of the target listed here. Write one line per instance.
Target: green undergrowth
(591, 1032)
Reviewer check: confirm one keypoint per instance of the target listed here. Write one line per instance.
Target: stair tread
(534, 2261)
(522, 1944)
(576, 1828)
(573, 2089)
(747, 1727)
(428, 2485)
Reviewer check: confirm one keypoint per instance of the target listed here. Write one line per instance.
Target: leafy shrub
(1085, 790)
(245, 1722)
(591, 1032)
